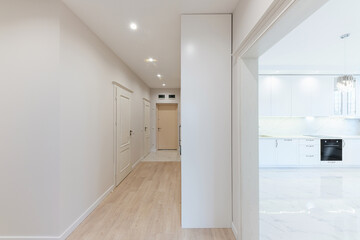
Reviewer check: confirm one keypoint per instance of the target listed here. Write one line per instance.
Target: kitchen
(309, 129)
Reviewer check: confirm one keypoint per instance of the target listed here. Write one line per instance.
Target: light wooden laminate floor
(145, 206)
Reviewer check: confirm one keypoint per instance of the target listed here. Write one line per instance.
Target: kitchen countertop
(310, 136)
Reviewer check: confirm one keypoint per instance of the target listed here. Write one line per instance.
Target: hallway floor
(163, 156)
(145, 206)
(315, 204)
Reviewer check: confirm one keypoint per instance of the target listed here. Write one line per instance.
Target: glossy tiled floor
(311, 204)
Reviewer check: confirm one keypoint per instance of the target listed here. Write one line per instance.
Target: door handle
(131, 132)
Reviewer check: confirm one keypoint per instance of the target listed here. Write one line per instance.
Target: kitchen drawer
(309, 149)
(309, 141)
(309, 159)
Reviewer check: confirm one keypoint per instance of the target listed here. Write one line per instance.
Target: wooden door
(167, 126)
(146, 127)
(123, 134)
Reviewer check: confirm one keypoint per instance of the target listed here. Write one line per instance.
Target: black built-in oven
(331, 150)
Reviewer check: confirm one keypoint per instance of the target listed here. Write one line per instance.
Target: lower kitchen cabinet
(287, 152)
(267, 152)
(309, 152)
(351, 152)
(278, 152)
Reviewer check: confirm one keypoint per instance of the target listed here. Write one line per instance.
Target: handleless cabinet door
(281, 97)
(351, 153)
(287, 152)
(267, 152)
(265, 85)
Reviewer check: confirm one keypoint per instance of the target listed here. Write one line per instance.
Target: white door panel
(146, 127)
(123, 138)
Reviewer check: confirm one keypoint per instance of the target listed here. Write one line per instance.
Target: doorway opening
(167, 126)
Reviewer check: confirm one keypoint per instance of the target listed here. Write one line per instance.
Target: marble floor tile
(311, 204)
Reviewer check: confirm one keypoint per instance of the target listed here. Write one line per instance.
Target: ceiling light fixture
(150, 60)
(164, 84)
(345, 83)
(133, 26)
(159, 76)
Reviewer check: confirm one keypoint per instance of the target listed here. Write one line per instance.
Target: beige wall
(88, 68)
(56, 125)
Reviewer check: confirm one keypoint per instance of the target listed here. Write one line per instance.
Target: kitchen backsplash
(274, 126)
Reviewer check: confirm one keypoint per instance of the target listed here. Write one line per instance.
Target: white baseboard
(30, 237)
(235, 231)
(137, 162)
(73, 226)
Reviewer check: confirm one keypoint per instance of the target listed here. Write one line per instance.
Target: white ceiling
(315, 45)
(158, 33)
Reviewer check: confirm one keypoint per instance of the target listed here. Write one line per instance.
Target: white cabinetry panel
(309, 152)
(267, 152)
(287, 152)
(302, 100)
(351, 152)
(297, 96)
(265, 96)
(323, 96)
(281, 97)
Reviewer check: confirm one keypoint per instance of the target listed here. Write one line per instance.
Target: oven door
(331, 150)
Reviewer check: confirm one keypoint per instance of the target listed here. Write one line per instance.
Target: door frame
(177, 121)
(148, 101)
(278, 20)
(115, 86)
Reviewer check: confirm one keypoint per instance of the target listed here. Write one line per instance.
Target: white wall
(57, 118)
(244, 102)
(88, 69)
(206, 120)
(29, 122)
(246, 15)
(153, 101)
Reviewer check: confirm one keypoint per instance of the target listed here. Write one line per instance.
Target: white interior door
(123, 135)
(146, 127)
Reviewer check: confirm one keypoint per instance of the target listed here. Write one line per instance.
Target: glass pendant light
(346, 82)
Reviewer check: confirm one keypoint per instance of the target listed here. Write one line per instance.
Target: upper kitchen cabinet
(312, 96)
(297, 96)
(281, 97)
(265, 86)
(274, 96)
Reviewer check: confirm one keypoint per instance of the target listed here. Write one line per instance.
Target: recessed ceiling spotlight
(133, 26)
(151, 60)
(159, 76)
(164, 84)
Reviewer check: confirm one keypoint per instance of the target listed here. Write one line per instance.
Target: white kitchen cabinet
(287, 152)
(265, 85)
(323, 97)
(351, 152)
(267, 152)
(309, 152)
(297, 96)
(302, 96)
(281, 97)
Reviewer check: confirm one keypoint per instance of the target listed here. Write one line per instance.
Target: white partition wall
(206, 120)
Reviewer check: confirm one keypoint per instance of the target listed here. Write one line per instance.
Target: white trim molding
(235, 231)
(123, 87)
(77, 222)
